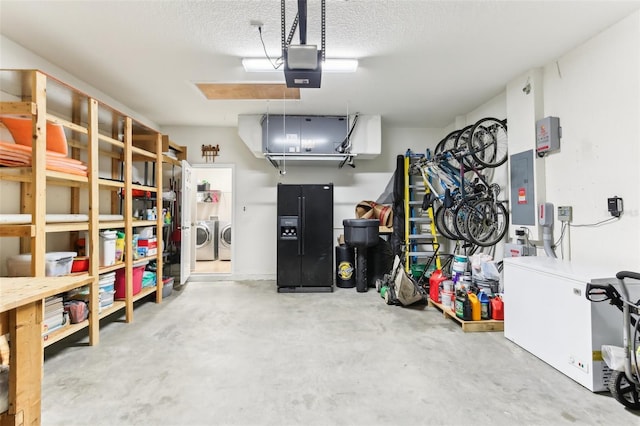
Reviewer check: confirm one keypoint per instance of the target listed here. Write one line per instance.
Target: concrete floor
(238, 353)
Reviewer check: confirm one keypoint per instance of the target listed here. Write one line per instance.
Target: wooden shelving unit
(112, 145)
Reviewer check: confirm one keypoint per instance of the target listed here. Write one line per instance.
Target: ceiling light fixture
(329, 65)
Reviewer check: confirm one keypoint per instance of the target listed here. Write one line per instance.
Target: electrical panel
(523, 208)
(548, 133)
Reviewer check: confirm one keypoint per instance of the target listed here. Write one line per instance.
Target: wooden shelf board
(17, 230)
(19, 291)
(172, 161)
(144, 259)
(140, 223)
(52, 175)
(117, 305)
(18, 108)
(144, 188)
(68, 124)
(16, 174)
(112, 183)
(111, 224)
(57, 335)
(66, 227)
(111, 141)
(144, 292)
(143, 155)
(105, 269)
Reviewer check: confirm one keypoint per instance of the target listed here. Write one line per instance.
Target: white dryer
(206, 240)
(224, 241)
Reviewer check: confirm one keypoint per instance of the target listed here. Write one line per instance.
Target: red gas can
(434, 285)
(497, 308)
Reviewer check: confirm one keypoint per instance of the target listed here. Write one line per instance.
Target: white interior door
(187, 249)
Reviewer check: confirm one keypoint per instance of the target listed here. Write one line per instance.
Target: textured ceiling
(422, 63)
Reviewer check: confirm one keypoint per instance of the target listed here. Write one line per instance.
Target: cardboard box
(149, 243)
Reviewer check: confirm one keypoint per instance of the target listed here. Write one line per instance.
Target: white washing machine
(206, 240)
(224, 241)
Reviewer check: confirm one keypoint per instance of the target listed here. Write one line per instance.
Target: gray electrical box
(523, 208)
(548, 134)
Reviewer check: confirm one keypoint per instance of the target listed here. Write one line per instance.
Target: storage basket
(57, 263)
(138, 271)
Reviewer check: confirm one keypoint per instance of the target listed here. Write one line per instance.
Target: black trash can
(345, 266)
(361, 234)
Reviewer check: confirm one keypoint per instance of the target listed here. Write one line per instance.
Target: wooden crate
(483, 325)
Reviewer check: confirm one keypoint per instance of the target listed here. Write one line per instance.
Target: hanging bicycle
(466, 204)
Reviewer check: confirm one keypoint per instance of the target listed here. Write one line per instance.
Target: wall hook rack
(210, 152)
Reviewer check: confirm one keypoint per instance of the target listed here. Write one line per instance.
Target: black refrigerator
(305, 238)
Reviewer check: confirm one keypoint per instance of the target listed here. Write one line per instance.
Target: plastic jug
(434, 285)
(475, 307)
(484, 305)
(497, 308)
(120, 246)
(463, 307)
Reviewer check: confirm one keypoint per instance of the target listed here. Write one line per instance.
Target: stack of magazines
(54, 315)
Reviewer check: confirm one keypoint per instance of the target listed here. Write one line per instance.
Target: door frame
(232, 167)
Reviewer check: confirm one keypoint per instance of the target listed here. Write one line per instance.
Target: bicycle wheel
(447, 145)
(459, 216)
(488, 142)
(439, 218)
(461, 146)
(486, 222)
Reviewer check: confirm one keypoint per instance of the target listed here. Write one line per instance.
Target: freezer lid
(579, 271)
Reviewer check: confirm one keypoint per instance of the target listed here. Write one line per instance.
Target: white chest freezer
(546, 313)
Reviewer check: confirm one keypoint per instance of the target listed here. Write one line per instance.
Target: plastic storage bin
(107, 281)
(108, 248)
(106, 285)
(138, 271)
(57, 263)
(167, 287)
(106, 299)
(80, 264)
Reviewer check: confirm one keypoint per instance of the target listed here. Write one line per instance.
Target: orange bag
(20, 129)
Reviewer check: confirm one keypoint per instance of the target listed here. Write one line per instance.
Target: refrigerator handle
(301, 210)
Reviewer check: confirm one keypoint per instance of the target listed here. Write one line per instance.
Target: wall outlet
(565, 213)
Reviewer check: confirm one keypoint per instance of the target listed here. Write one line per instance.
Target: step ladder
(421, 239)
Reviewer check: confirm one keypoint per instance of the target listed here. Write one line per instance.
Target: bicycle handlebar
(628, 274)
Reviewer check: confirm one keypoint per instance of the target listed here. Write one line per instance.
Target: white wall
(595, 91)
(254, 222)
(14, 56)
